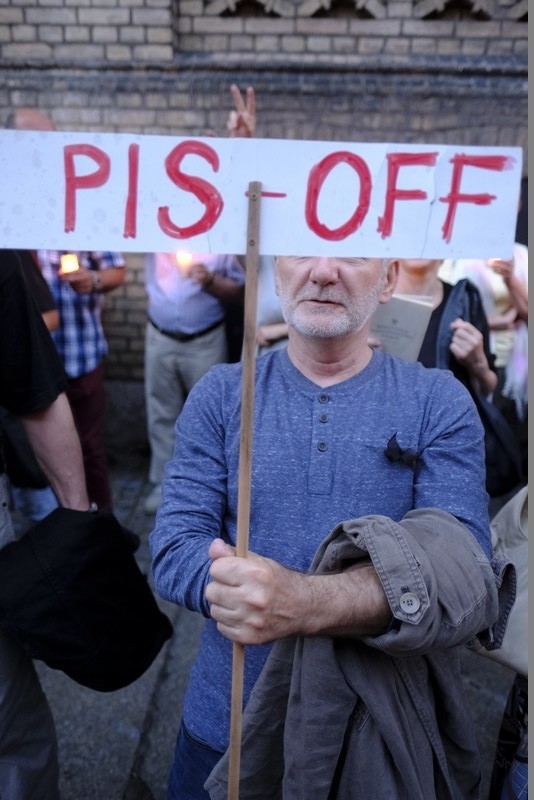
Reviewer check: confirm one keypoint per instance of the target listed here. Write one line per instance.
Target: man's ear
(390, 281)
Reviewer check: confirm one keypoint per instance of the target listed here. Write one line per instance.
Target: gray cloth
(385, 716)
(171, 370)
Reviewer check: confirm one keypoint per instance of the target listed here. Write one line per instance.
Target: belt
(185, 337)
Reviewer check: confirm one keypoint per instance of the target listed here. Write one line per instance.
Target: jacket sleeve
(478, 318)
(441, 587)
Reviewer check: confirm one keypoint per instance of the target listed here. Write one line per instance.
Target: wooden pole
(245, 467)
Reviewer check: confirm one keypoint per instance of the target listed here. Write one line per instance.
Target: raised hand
(242, 120)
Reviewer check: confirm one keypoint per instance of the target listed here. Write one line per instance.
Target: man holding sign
(388, 458)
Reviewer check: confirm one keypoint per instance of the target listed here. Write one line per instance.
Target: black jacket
(463, 300)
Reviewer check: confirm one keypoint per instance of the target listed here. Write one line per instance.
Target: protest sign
(125, 192)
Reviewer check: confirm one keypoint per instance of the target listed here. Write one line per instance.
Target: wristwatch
(97, 282)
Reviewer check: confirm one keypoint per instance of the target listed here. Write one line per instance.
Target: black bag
(503, 459)
(72, 594)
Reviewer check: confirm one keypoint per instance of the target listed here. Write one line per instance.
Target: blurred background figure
(503, 287)
(185, 335)
(81, 342)
(458, 339)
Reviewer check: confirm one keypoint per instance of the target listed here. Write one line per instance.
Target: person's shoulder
(413, 377)
(12, 278)
(226, 377)
(106, 259)
(403, 367)
(463, 286)
(10, 265)
(219, 378)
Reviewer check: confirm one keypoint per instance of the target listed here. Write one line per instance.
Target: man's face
(327, 297)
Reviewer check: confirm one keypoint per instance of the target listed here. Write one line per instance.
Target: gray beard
(320, 324)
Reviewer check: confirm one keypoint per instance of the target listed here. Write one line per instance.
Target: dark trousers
(193, 762)
(87, 398)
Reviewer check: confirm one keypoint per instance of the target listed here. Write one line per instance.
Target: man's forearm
(111, 278)
(56, 445)
(350, 604)
(256, 600)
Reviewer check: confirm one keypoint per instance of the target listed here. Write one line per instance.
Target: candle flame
(69, 262)
(184, 259)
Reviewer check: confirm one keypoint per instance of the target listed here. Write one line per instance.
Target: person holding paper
(369, 558)
(457, 337)
(503, 287)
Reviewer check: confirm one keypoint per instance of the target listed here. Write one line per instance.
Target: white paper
(400, 325)
(125, 192)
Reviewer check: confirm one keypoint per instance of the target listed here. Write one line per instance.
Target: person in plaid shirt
(80, 338)
(82, 345)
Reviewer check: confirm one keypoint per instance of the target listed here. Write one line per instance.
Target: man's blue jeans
(193, 762)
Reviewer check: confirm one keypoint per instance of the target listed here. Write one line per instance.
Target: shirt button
(323, 417)
(409, 603)
(323, 398)
(322, 446)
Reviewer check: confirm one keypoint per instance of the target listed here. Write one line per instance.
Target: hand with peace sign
(242, 120)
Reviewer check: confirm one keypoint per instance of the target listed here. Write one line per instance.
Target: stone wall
(370, 70)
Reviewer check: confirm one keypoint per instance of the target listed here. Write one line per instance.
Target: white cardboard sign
(126, 192)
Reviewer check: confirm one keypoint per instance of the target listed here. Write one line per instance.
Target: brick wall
(372, 70)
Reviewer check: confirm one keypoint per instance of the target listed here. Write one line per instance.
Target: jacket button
(409, 603)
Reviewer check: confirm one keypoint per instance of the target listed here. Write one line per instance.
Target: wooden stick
(245, 467)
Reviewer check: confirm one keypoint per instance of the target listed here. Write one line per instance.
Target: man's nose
(324, 270)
